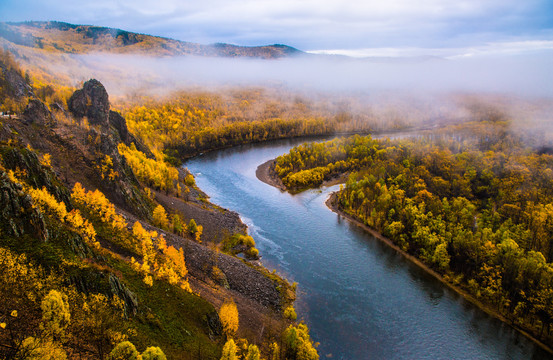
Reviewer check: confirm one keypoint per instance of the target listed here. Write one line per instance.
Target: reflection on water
(361, 299)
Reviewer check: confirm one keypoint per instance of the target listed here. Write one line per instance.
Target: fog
(529, 75)
(412, 91)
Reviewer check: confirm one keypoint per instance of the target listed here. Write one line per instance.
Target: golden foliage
(41, 349)
(48, 204)
(106, 169)
(229, 350)
(55, 314)
(160, 217)
(97, 206)
(155, 173)
(46, 160)
(228, 313)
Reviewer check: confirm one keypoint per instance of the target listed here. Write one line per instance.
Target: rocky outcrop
(14, 84)
(36, 175)
(18, 216)
(122, 292)
(37, 112)
(91, 101)
(120, 124)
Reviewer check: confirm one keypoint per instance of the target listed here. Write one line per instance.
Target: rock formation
(37, 112)
(91, 101)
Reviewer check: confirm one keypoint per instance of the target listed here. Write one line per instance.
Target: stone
(91, 101)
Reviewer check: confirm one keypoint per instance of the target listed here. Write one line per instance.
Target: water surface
(360, 299)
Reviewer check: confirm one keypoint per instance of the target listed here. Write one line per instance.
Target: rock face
(120, 124)
(91, 101)
(14, 83)
(37, 112)
(18, 216)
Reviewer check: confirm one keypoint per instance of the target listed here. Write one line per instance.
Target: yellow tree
(55, 314)
(160, 217)
(229, 318)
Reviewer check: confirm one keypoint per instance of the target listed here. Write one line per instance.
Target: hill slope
(118, 273)
(80, 39)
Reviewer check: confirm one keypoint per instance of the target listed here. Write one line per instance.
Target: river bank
(266, 174)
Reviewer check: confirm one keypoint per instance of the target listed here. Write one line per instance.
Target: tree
(275, 351)
(35, 349)
(192, 227)
(229, 318)
(298, 343)
(441, 258)
(195, 230)
(160, 217)
(189, 180)
(55, 314)
(124, 351)
(290, 313)
(96, 319)
(253, 353)
(153, 353)
(229, 351)
(178, 224)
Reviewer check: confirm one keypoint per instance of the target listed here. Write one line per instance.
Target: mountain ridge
(62, 37)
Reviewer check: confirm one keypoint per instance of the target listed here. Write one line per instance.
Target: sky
(446, 28)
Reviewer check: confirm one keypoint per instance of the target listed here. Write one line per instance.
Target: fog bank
(528, 75)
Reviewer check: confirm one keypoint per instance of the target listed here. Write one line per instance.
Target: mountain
(60, 37)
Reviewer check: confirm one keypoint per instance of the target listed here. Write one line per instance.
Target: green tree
(192, 227)
(153, 353)
(178, 224)
(298, 343)
(124, 351)
(229, 351)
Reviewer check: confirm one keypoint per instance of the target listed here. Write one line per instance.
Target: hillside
(104, 246)
(60, 37)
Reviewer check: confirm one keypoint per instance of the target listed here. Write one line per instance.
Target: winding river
(360, 298)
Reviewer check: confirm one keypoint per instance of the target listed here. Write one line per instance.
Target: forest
(472, 202)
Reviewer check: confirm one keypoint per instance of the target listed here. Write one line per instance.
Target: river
(360, 299)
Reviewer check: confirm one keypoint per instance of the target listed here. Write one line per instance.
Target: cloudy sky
(353, 27)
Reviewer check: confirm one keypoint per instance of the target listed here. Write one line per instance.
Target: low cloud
(522, 75)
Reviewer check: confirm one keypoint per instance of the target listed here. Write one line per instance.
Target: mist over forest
(523, 75)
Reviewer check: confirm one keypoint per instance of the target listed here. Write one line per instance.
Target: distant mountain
(62, 37)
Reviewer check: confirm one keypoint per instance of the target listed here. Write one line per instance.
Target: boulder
(37, 112)
(91, 101)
